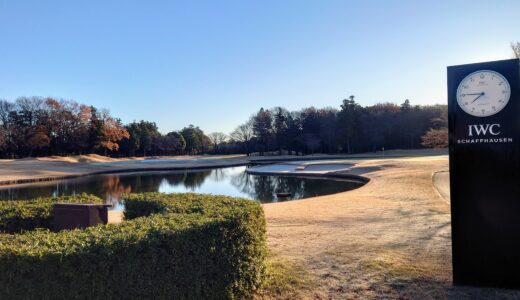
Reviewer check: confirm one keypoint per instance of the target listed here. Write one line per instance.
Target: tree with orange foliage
(38, 139)
(112, 131)
(435, 138)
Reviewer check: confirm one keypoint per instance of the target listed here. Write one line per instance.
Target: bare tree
(244, 134)
(3, 138)
(217, 138)
(5, 108)
(516, 49)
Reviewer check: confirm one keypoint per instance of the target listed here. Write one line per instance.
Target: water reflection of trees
(109, 187)
(219, 175)
(113, 187)
(194, 180)
(190, 180)
(152, 182)
(264, 188)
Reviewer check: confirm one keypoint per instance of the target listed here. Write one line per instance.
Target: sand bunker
(300, 168)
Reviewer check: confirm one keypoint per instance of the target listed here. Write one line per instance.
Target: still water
(233, 181)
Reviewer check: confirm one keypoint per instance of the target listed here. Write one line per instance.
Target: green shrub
(182, 246)
(23, 215)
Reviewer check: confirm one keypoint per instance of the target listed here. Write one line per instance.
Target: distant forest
(37, 126)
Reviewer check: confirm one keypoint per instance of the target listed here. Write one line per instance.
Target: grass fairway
(389, 239)
(286, 280)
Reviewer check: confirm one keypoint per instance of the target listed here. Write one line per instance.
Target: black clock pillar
(485, 184)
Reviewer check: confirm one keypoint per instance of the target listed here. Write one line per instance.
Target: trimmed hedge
(23, 215)
(178, 246)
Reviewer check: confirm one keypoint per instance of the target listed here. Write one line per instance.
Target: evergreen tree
(349, 123)
(280, 128)
(262, 127)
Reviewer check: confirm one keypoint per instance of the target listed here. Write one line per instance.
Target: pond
(232, 181)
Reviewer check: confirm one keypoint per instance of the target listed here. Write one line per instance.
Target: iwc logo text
(484, 134)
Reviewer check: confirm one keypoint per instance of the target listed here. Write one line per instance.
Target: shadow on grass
(286, 280)
(430, 288)
(398, 279)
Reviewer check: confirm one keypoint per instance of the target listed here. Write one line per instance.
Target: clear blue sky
(214, 63)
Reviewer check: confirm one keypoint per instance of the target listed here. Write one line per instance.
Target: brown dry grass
(286, 280)
(390, 239)
(55, 167)
(14, 171)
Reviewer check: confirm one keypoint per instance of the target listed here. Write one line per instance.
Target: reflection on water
(232, 181)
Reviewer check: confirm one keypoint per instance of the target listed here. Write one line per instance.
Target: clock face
(483, 93)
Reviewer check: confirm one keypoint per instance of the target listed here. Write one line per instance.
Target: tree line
(46, 126)
(37, 126)
(350, 129)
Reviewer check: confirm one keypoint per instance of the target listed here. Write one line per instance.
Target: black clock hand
(473, 94)
(479, 95)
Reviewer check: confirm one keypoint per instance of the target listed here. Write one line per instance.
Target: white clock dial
(483, 93)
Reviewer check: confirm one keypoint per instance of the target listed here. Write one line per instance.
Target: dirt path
(388, 239)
